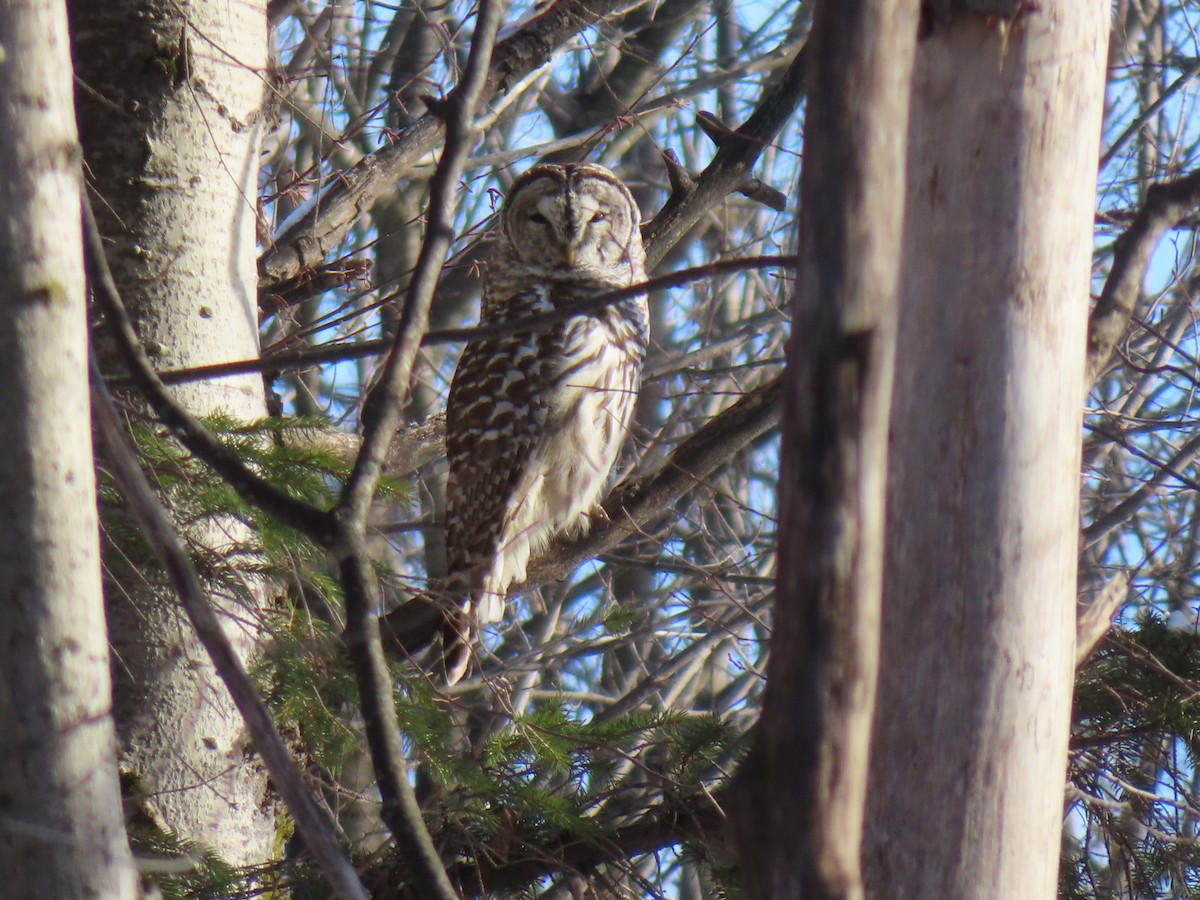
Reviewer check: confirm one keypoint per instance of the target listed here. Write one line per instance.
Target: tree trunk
(797, 804)
(61, 829)
(171, 114)
(972, 718)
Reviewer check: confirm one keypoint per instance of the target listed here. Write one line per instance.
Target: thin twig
(360, 349)
(340, 204)
(1104, 523)
(592, 304)
(315, 826)
(388, 396)
(738, 151)
(1189, 73)
(358, 189)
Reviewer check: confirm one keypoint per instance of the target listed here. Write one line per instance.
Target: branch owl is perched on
(535, 419)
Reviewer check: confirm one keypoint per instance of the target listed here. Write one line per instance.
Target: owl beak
(570, 256)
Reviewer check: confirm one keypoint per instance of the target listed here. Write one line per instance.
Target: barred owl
(536, 418)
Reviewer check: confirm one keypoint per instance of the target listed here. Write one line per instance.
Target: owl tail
(466, 606)
(455, 642)
(434, 629)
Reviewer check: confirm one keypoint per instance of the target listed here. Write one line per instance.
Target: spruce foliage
(501, 787)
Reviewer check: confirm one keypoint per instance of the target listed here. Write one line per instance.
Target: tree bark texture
(797, 803)
(969, 752)
(173, 98)
(61, 827)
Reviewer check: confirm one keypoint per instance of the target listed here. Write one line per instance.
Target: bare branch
(637, 503)
(413, 447)
(1166, 203)
(336, 353)
(738, 151)
(617, 92)
(634, 506)
(1093, 621)
(311, 283)
(683, 183)
(1187, 75)
(399, 809)
(608, 298)
(1128, 508)
(681, 180)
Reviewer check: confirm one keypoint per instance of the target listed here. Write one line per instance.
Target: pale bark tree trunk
(61, 827)
(797, 803)
(172, 106)
(969, 753)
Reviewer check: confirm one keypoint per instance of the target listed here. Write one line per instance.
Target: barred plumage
(535, 419)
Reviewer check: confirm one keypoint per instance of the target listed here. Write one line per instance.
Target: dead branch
(400, 810)
(1093, 621)
(634, 506)
(1166, 204)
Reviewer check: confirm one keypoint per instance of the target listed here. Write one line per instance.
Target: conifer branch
(667, 824)
(312, 821)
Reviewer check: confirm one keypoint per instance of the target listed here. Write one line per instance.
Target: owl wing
(495, 419)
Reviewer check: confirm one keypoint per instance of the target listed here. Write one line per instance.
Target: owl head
(572, 221)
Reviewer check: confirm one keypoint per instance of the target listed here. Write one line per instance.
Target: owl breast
(592, 393)
(589, 411)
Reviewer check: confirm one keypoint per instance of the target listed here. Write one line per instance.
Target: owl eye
(599, 216)
(538, 218)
